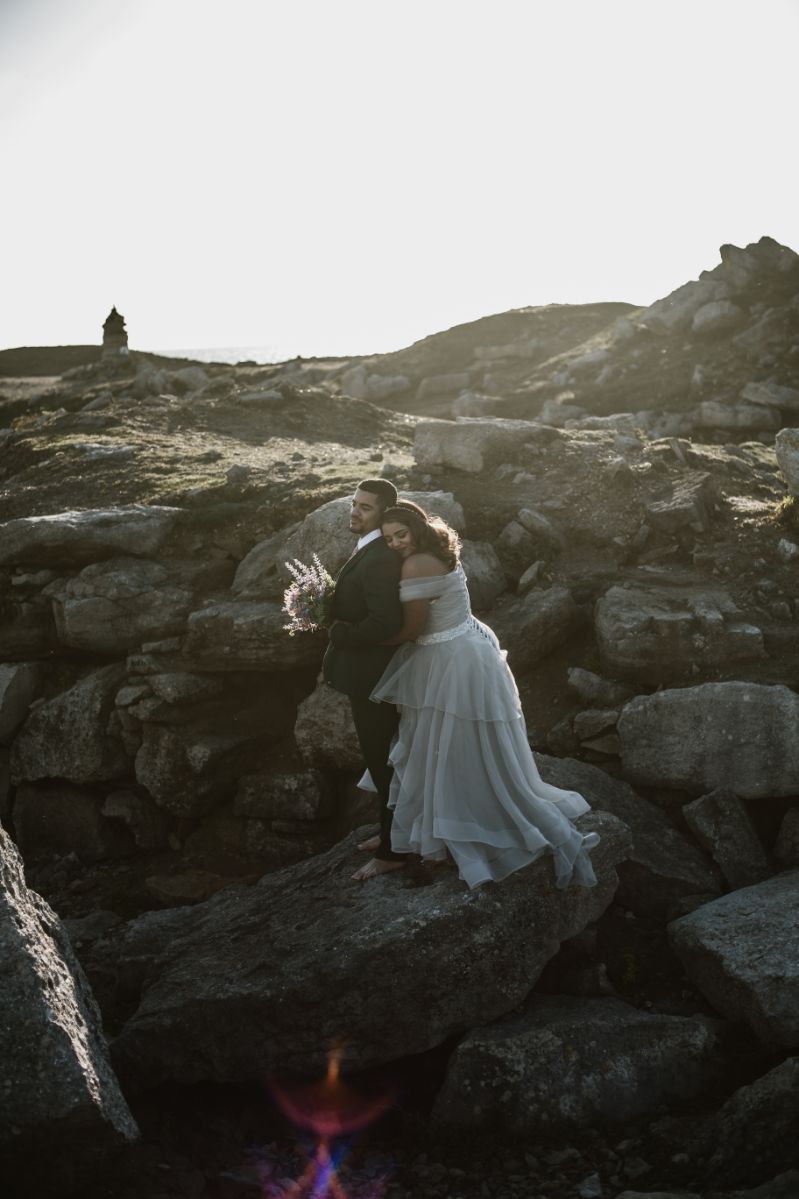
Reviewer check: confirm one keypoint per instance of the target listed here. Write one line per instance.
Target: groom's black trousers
(376, 725)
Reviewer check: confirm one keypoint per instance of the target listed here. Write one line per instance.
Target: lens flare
(330, 1110)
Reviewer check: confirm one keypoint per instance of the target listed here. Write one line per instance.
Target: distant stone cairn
(115, 335)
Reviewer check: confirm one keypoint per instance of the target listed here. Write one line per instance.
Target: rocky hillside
(178, 793)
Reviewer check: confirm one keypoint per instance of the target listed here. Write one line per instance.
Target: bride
(465, 782)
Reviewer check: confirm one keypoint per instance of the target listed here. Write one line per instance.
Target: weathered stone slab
(664, 871)
(690, 505)
(469, 445)
(659, 634)
(531, 627)
(269, 977)
(67, 737)
(70, 538)
(113, 606)
(241, 635)
(772, 395)
(565, 1063)
(742, 952)
(721, 825)
(62, 1114)
(715, 414)
(787, 450)
(736, 735)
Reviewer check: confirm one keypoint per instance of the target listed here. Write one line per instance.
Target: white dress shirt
(367, 537)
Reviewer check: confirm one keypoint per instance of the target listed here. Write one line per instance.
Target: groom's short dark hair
(385, 491)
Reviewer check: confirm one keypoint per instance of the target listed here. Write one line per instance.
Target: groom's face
(365, 512)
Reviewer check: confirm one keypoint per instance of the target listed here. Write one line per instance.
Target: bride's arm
(414, 619)
(415, 611)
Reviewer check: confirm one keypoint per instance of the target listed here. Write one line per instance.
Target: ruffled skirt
(465, 779)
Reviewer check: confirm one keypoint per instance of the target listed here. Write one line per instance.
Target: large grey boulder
(470, 445)
(324, 532)
(69, 737)
(753, 1135)
(531, 627)
(567, 1063)
(716, 414)
(662, 634)
(269, 977)
(241, 635)
(113, 606)
(676, 311)
(690, 504)
(772, 395)
(75, 538)
(663, 872)
(742, 952)
(325, 732)
(721, 825)
(787, 450)
(485, 577)
(719, 316)
(736, 735)
(62, 1114)
(188, 772)
(19, 686)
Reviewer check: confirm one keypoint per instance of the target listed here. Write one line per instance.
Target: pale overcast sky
(346, 176)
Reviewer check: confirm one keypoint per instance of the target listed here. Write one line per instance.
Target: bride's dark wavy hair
(431, 534)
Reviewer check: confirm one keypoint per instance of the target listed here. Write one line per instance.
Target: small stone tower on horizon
(115, 336)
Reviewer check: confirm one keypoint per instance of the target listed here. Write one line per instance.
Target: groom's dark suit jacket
(367, 598)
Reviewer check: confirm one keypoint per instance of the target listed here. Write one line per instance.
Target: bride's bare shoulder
(422, 566)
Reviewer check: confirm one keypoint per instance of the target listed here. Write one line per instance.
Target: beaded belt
(447, 634)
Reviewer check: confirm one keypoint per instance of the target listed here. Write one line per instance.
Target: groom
(367, 611)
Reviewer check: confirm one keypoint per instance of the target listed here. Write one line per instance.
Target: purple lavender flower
(308, 601)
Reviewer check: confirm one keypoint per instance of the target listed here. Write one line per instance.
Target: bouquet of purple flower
(308, 601)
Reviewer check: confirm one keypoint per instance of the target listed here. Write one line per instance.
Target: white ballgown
(465, 779)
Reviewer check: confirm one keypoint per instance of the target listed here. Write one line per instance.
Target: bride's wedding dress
(465, 779)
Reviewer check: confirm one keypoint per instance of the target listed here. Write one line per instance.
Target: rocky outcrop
(325, 732)
(114, 606)
(62, 1115)
(736, 735)
(237, 635)
(269, 977)
(664, 873)
(742, 952)
(665, 634)
(566, 1063)
(721, 825)
(72, 736)
(70, 538)
(531, 627)
(485, 577)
